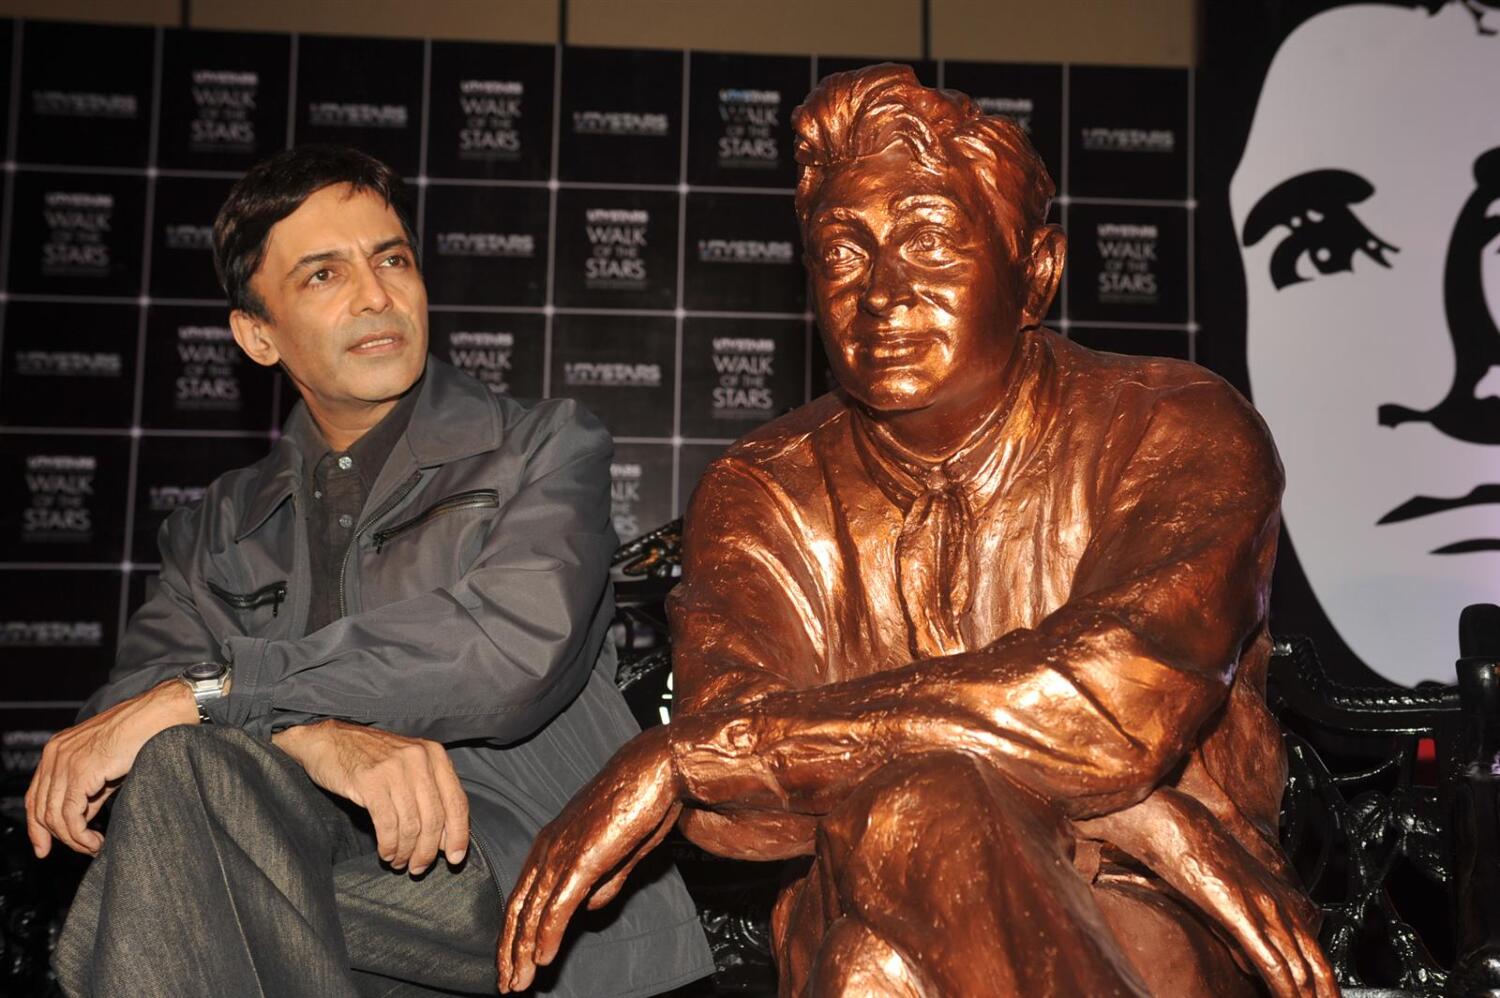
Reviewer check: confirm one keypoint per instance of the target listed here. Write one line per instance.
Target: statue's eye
(928, 243)
(841, 253)
(1321, 226)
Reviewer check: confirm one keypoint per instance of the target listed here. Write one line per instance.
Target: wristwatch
(206, 680)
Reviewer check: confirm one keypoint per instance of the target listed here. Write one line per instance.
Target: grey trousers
(227, 872)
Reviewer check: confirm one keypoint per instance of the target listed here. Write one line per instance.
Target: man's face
(917, 295)
(1372, 268)
(348, 307)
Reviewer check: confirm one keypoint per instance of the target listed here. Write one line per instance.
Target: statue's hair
(861, 113)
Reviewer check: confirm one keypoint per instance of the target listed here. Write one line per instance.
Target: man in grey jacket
(380, 644)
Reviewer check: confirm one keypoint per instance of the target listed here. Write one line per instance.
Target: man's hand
(408, 785)
(606, 829)
(81, 766)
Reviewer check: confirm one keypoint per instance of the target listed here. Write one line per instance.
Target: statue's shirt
(1083, 586)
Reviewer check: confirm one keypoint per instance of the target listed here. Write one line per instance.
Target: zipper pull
(276, 598)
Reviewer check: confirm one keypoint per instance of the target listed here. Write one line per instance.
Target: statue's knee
(905, 798)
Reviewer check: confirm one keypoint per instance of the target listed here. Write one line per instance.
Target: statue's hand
(587, 851)
(1272, 922)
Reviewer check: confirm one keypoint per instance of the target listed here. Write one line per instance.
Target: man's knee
(190, 759)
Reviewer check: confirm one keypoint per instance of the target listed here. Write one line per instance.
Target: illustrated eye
(1315, 209)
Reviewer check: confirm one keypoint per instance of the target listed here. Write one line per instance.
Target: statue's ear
(1044, 270)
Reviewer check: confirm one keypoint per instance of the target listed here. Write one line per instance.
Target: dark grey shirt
(335, 486)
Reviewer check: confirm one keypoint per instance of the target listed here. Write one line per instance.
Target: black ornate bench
(1391, 816)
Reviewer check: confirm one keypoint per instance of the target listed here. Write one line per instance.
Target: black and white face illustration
(1367, 207)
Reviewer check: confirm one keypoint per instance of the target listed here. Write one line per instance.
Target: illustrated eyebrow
(1319, 187)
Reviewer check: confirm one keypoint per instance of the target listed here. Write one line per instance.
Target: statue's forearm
(1091, 744)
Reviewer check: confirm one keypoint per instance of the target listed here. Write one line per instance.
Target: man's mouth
(377, 343)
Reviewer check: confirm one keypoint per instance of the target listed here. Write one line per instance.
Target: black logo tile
(740, 119)
(197, 377)
(620, 366)
(182, 237)
(640, 488)
(223, 99)
(69, 364)
(362, 92)
(621, 116)
(616, 249)
(743, 253)
(57, 635)
(490, 111)
(174, 472)
(77, 234)
(62, 499)
(739, 373)
(485, 245)
(1128, 263)
(505, 350)
(85, 94)
(1127, 132)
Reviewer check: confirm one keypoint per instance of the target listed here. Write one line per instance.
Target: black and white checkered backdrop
(614, 225)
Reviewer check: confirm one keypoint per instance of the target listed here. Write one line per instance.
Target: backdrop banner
(613, 225)
(1350, 170)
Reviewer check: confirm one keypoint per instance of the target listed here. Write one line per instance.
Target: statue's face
(1370, 232)
(917, 295)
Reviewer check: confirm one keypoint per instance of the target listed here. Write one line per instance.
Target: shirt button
(346, 521)
(317, 493)
(346, 462)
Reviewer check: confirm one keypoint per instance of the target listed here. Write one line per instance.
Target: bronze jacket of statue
(1107, 620)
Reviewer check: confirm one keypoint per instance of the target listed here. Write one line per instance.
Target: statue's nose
(1471, 409)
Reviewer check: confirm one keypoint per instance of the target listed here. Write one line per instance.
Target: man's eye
(394, 260)
(1315, 210)
(320, 276)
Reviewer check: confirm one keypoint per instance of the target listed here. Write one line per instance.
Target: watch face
(200, 671)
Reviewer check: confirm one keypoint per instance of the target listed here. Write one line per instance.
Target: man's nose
(370, 294)
(887, 285)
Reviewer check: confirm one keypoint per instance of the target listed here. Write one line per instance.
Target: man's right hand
(406, 784)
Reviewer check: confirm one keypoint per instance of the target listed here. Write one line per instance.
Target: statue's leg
(1172, 947)
(940, 876)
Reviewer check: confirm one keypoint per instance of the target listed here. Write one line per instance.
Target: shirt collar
(370, 451)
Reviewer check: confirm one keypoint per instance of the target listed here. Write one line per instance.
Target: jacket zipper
(472, 499)
(385, 508)
(273, 594)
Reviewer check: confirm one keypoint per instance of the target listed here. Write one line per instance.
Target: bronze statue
(982, 636)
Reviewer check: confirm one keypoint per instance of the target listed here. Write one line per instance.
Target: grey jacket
(477, 602)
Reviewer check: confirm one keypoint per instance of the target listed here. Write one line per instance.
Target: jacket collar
(454, 418)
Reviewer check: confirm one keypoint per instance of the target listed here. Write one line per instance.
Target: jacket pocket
(472, 499)
(274, 594)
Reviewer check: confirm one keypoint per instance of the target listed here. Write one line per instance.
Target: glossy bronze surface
(980, 637)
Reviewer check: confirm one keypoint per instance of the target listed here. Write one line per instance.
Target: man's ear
(253, 336)
(1044, 270)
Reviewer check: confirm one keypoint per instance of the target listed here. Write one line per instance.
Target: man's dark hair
(275, 188)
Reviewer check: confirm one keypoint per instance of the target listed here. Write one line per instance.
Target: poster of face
(1360, 150)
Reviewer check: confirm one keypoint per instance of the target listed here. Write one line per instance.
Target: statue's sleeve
(747, 621)
(1094, 706)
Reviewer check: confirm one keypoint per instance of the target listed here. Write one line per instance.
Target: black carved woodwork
(1391, 816)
